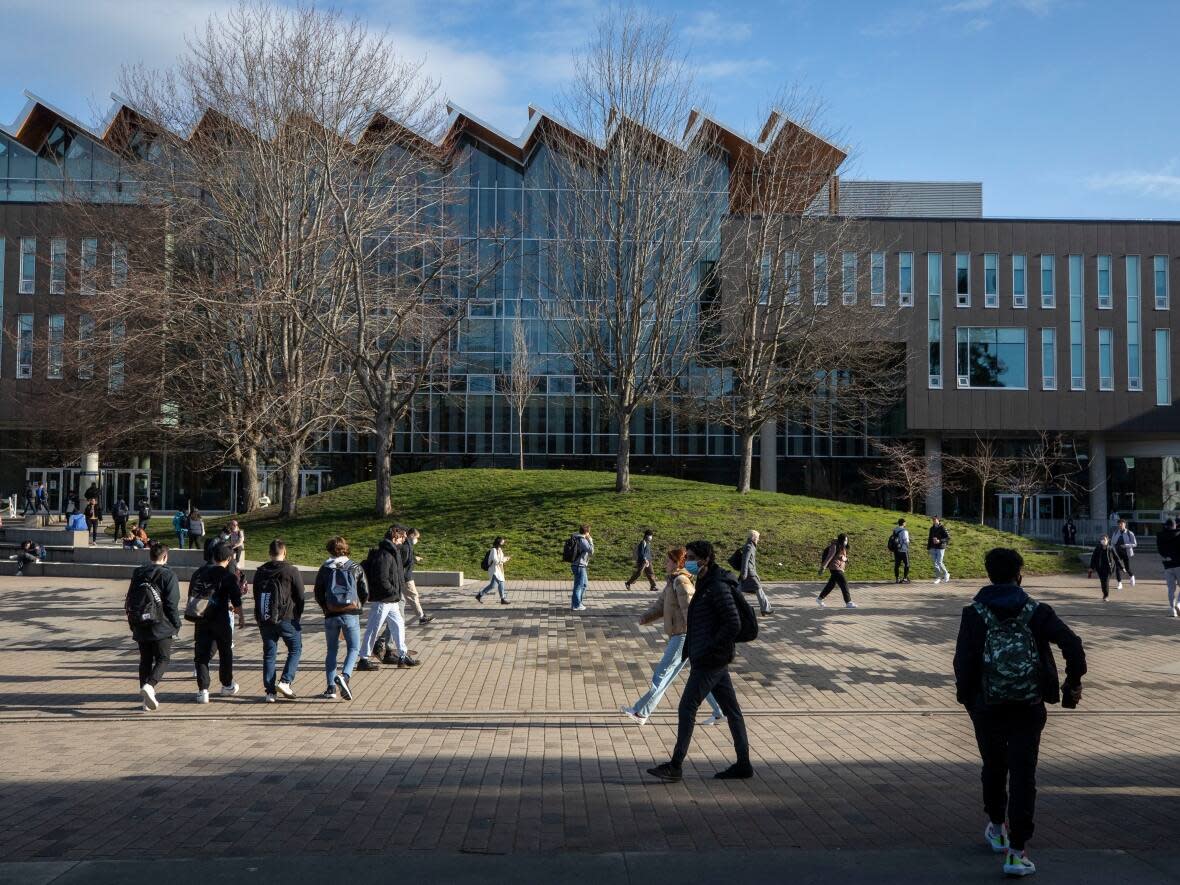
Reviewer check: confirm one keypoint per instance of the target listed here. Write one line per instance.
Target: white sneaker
(228, 691)
(850, 605)
(633, 716)
(1120, 586)
(1176, 611)
(580, 608)
(1018, 864)
(996, 837)
(713, 719)
(947, 579)
(270, 699)
(820, 602)
(938, 580)
(203, 696)
(143, 707)
(1132, 580)
(149, 697)
(284, 688)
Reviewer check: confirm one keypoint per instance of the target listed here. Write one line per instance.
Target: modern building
(1011, 326)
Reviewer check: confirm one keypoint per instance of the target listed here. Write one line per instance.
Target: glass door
(53, 481)
(1009, 512)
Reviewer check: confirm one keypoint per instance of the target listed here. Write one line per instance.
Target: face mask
(415, 541)
(692, 567)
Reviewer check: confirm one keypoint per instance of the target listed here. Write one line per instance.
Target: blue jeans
(936, 555)
(666, 670)
(292, 637)
(579, 585)
(494, 583)
(181, 538)
(351, 625)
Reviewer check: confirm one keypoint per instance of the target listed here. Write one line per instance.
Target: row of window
(55, 348)
(59, 249)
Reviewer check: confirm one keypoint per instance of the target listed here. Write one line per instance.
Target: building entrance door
(1009, 511)
(54, 488)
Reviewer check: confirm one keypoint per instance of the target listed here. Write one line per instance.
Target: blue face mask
(692, 566)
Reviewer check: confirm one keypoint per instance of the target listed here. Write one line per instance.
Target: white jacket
(497, 563)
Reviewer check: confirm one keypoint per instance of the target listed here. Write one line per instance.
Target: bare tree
(1048, 463)
(520, 383)
(902, 467)
(983, 468)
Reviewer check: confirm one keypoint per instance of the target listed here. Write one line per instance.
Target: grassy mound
(460, 511)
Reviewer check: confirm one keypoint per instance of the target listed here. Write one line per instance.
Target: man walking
(386, 579)
(713, 627)
(1124, 544)
(43, 503)
(93, 514)
(120, 513)
(936, 543)
(1168, 541)
(643, 562)
(1005, 673)
(214, 582)
(410, 558)
(748, 573)
(144, 513)
(278, 611)
(152, 605)
(899, 543)
(583, 549)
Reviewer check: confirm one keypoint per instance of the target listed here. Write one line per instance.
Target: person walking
(30, 499)
(1103, 563)
(583, 549)
(180, 527)
(386, 585)
(936, 543)
(152, 605)
(215, 583)
(713, 625)
(410, 558)
(672, 606)
(341, 590)
(278, 612)
(1069, 533)
(42, 503)
(196, 530)
(144, 512)
(899, 543)
(237, 542)
(748, 572)
(1168, 542)
(1005, 674)
(121, 513)
(643, 562)
(1124, 544)
(835, 560)
(93, 514)
(494, 561)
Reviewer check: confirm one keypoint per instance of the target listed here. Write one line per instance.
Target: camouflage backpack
(1011, 661)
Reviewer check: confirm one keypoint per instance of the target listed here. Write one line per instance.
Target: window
(57, 266)
(1134, 333)
(118, 265)
(85, 341)
(905, 279)
(764, 279)
(992, 358)
(877, 279)
(1106, 359)
(1105, 302)
(1161, 281)
(848, 278)
(1048, 359)
(24, 345)
(115, 372)
(28, 266)
(934, 316)
(1048, 281)
(56, 342)
(1163, 367)
(991, 279)
(819, 281)
(962, 279)
(1019, 281)
(89, 265)
(791, 276)
(1077, 332)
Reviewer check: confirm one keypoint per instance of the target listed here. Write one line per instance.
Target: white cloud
(713, 27)
(968, 6)
(1161, 184)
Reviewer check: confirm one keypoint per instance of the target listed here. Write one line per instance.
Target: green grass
(460, 511)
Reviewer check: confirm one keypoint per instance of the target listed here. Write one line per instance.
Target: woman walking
(672, 606)
(494, 562)
(835, 560)
(196, 530)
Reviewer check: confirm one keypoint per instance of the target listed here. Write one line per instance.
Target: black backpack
(273, 595)
(486, 563)
(569, 552)
(749, 628)
(143, 605)
(202, 598)
(892, 543)
(735, 559)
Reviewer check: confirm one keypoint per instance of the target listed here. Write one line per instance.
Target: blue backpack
(341, 596)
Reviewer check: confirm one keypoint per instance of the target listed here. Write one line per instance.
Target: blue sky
(1060, 107)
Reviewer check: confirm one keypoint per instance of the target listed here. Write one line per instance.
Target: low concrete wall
(122, 570)
(52, 537)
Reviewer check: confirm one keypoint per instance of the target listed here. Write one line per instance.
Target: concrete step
(123, 571)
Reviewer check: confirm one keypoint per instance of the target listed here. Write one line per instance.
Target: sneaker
(148, 694)
(144, 707)
(426, 619)
(329, 694)
(391, 657)
(820, 602)
(284, 688)
(1119, 586)
(270, 699)
(1018, 864)
(578, 608)
(1176, 611)
(228, 691)
(666, 772)
(850, 605)
(996, 837)
(407, 661)
(203, 696)
(503, 602)
(633, 716)
(380, 650)
(739, 771)
(938, 580)
(367, 665)
(342, 684)
(1132, 580)
(947, 579)
(479, 597)
(769, 611)
(714, 719)
(626, 585)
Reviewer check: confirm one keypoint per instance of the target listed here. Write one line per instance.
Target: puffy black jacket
(289, 577)
(939, 534)
(1006, 600)
(165, 581)
(713, 620)
(1168, 542)
(387, 579)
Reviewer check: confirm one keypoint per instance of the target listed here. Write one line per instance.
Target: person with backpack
(1168, 542)
(213, 595)
(714, 624)
(1104, 563)
(341, 590)
(643, 562)
(120, 513)
(1124, 544)
(493, 564)
(144, 513)
(672, 605)
(386, 584)
(152, 606)
(1005, 674)
(744, 561)
(577, 551)
(93, 514)
(180, 527)
(28, 553)
(937, 541)
(278, 611)
(835, 560)
(899, 546)
(237, 541)
(196, 530)
(43, 503)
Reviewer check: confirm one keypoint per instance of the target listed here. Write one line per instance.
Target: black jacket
(713, 620)
(1168, 542)
(1006, 600)
(1102, 560)
(228, 591)
(407, 559)
(939, 533)
(165, 581)
(386, 572)
(324, 577)
(288, 576)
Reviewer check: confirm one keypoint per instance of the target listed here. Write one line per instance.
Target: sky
(1062, 108)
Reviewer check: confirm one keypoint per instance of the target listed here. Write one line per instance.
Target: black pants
(210, 632)
(1104, 583)
(23, 559)
(153, 660)
(92, 525)
(196, 541)
(1123, 559)
(836, 579)
(701, 681)
(120, 528)
(1009, 739)
(900, 559)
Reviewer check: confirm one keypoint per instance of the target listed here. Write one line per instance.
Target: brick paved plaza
(507, 739)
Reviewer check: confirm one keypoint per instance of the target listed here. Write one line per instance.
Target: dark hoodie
(385, 573)
(1006, 601)
(1168, 542)
(713, 620)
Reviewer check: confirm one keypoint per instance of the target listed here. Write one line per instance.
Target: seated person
(130, 542)
(28, 554)
(141, 537)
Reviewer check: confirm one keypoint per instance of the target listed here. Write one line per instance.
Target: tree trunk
(291, 481)
(623, 457)
(520, 436)
(747, 462)
(248, 480)
(383, 505)
(982, 501)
